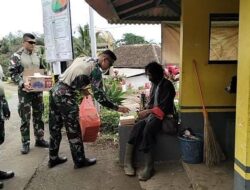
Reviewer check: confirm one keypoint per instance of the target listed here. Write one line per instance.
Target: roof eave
(104, 8)
(107, 10)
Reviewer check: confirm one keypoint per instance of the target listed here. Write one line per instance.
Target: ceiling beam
(157, 2)
(131, 4)
(172, 5)
(136, 10)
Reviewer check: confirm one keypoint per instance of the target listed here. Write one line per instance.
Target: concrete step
(215, 178)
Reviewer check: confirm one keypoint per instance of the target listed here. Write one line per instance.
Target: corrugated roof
(137, 11)
(137, 56)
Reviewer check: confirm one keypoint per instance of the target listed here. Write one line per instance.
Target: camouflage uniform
(3, 107)
(64, 109)
(20, 61)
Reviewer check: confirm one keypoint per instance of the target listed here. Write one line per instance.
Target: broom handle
(200, 91)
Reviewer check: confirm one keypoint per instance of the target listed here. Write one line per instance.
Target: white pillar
(92, 32)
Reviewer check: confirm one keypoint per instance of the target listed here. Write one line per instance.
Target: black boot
(148, 170)
(42, 143)
(1, 185)
(25, 148)
(85, 162)
(58, 160)
(128, 168)
(6, 175)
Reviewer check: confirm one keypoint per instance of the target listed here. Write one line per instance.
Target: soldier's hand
(123, 109)
(27, 86)
(86, 92)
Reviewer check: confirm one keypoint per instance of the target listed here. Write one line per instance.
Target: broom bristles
(212, 150)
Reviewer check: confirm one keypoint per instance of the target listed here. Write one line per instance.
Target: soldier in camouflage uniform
(64, 109)
(4, 114)
(28, 58)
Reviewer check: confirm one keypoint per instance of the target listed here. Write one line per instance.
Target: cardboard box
(30, 72)
(40, 82)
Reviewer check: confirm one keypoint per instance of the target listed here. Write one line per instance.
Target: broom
(212, 154)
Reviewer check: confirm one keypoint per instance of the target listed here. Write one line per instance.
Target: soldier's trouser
(144, 133)
(2, 132)
(26, 101)
(64, 111)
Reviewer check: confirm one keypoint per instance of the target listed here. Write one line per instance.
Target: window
(223, 38)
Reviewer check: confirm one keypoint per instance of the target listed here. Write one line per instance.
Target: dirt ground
(32, 173)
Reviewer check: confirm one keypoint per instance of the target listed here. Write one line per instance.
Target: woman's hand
(144, 113)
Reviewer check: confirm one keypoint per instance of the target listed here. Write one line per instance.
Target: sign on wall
(57, 30)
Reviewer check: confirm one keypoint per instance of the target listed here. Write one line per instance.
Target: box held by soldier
(37, 79)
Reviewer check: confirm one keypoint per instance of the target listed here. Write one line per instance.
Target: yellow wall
(242, 150)
(195, 45)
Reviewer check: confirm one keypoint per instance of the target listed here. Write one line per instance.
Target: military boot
(148, 170)
(25, 148)
(85, 162)
(58, 160)
(42, 143)
(6, 175)
(128, 168)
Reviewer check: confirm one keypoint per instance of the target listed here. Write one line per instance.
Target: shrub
(110, 121)
(109, 118)
(115, 94)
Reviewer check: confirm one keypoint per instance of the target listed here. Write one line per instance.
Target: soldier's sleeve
(99, 94)
(16, 69)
